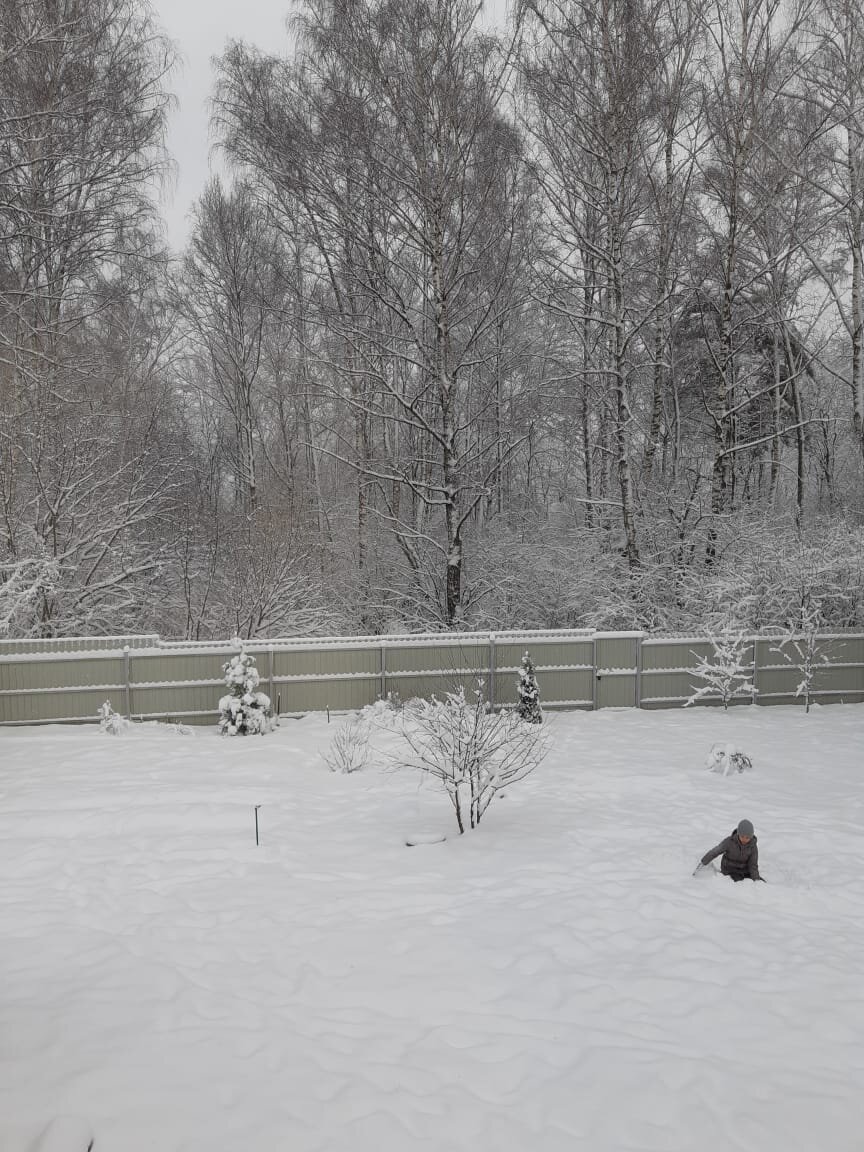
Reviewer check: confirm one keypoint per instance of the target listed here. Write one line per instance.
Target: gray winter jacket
(737, 857)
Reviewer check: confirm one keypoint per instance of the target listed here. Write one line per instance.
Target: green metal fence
(46, 681)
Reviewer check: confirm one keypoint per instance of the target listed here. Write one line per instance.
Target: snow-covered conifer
(529, 693)
(243, 711)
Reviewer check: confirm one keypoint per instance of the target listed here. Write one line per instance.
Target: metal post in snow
(257, 806)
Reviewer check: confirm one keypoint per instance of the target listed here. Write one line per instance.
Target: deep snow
(554, 981)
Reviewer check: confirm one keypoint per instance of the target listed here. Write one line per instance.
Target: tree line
(552, 324)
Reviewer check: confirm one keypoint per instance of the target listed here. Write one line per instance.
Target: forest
(553, 324)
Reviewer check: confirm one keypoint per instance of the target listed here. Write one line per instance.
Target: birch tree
(587, 75)
(82, 114)
(835, 89)
(426, 214)
(753, 64)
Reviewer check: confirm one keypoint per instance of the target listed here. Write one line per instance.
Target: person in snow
(740, 854)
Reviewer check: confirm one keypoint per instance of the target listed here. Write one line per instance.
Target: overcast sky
(200, 32)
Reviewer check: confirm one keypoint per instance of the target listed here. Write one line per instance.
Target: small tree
(244, 711)
(474, 753)
(725, 672)
(807, 655)
(529, 693)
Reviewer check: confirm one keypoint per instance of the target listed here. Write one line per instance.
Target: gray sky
(199, 30)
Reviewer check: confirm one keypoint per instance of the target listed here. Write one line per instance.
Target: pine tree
(243, 711)
(529, 693)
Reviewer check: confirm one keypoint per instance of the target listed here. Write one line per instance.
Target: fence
(144, 677)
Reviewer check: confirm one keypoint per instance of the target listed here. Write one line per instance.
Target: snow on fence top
(420, 638)
(51, 644)
(84, 647)
(93, 647)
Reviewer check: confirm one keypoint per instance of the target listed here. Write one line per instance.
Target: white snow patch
(416, 838)
(554, 980)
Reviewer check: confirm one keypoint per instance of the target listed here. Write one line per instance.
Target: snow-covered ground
(554, 981)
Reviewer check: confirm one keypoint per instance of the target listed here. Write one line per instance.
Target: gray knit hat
(745, 828)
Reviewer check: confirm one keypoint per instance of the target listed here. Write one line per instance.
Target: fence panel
(576, 669)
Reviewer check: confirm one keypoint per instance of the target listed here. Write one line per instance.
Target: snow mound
(726, 759)
(424, 838)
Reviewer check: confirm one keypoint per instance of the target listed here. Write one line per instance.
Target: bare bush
(349, 748)
(472, 752)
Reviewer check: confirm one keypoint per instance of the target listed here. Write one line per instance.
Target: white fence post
(491, 669)
(638, 693)
(127, 676)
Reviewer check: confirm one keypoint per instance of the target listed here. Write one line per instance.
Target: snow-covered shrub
(726, 759)
(349, 748)
(384, 713)
(244, 711)
(110, 721)
(802, 636)
(392, 701)
(725, 672)
(529, 693)
(22, 584)
(472, 752)
(179, 729)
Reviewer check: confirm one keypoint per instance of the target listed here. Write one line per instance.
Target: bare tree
(588, 78)
(753, 65)
(230, 291)
(82, 115)
(417, 236)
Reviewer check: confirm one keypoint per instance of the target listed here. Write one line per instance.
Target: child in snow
(740, 854)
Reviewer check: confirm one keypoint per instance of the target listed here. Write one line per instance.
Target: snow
(554, 980)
